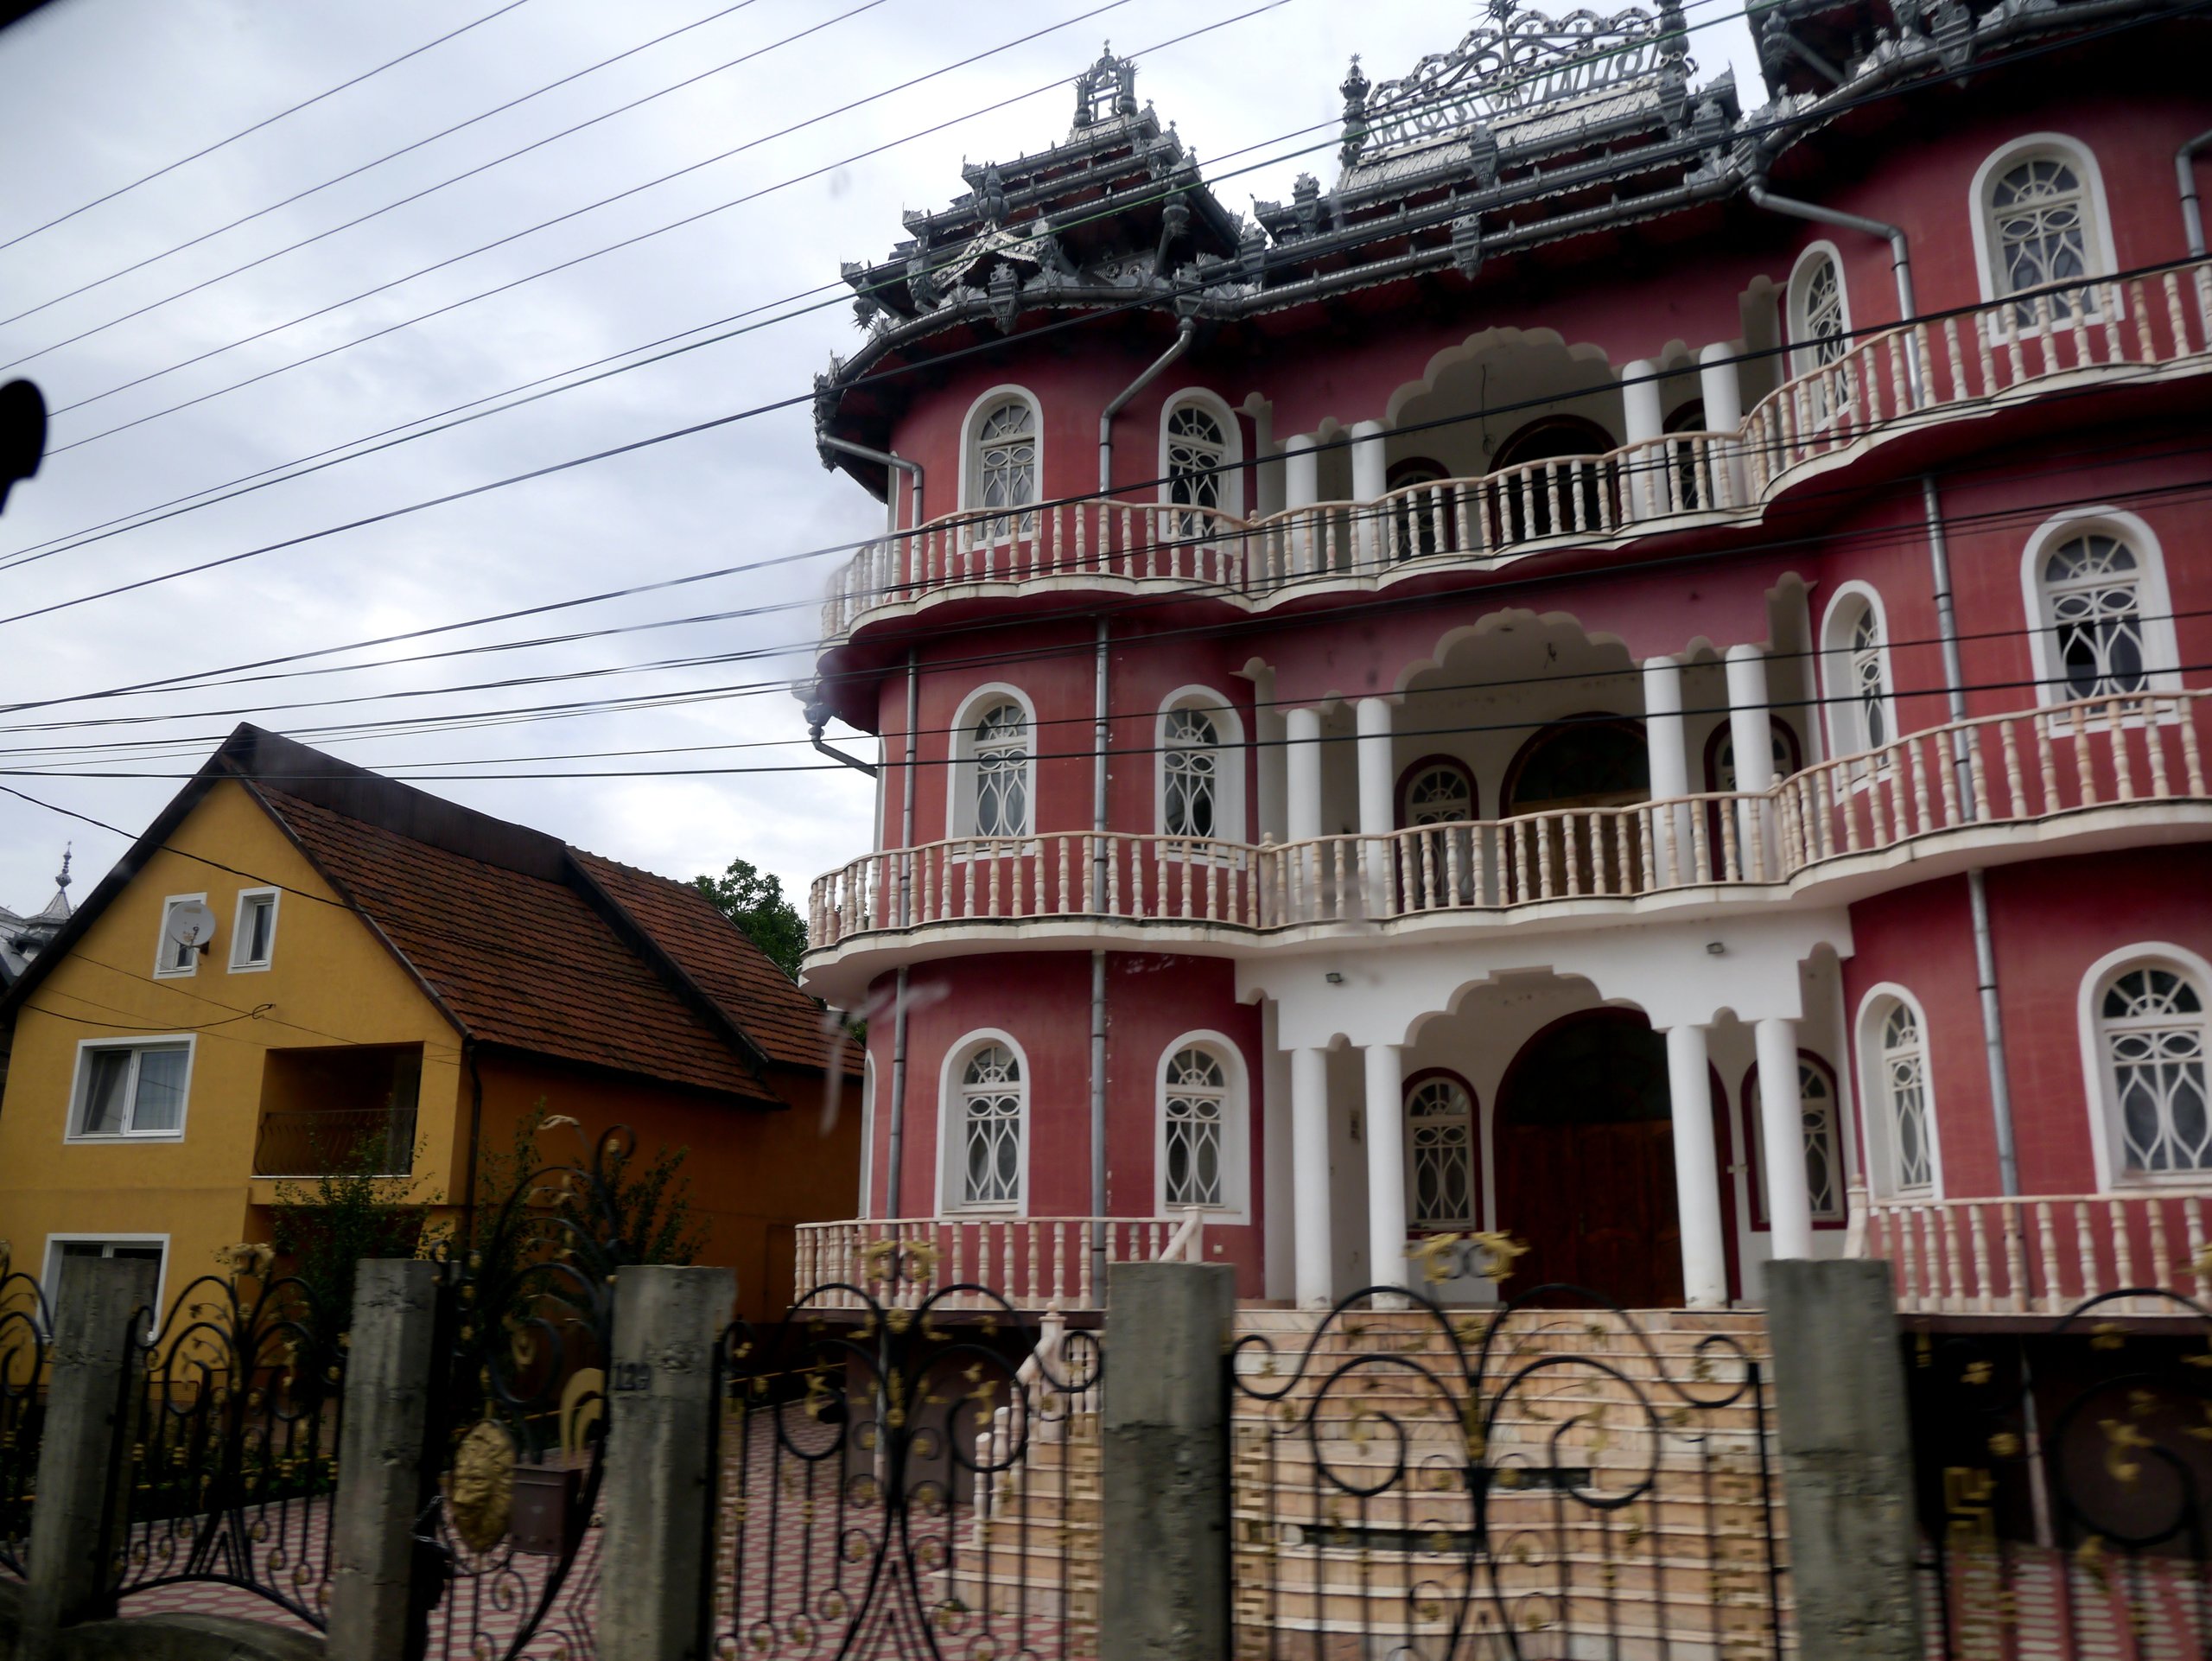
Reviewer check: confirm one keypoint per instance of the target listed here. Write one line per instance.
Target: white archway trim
(969, 423)
(1230, 822)
(1839, 707)
(960, 777)
(2097, 245)
(2154, 600)
(1236, 1128)
(2099, 1090)
(953, 1125)
(1232, 476)
(1875, 1118)
(868, 1135)
(1796, 326)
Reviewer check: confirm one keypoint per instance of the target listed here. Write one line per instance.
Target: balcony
(1033, 1262)
(1956, 367)
(311, 1143)
(2032, 784)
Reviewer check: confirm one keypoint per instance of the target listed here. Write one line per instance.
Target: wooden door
(1595, 1204)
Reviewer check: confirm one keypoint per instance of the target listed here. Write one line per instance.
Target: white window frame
(960, 776)
(1754, 1134)
(80, 1080)
(1236, 1207)
(1873, 1083)
(2100, 1089)
(2154, 600)
(1840, 700)
(163, 946)
(1232, 473)
(241, 935)
(971, 473)
(1796, 326)
(1477, 1171)
(1230, 822)
(55, 1241)
(2096, 246)
(952, 1126)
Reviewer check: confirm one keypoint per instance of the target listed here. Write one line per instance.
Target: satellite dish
(191, 924)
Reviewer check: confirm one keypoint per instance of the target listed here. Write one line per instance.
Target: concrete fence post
(655, 1495)
(390, 1347)
(83, 1463)
(1845, 1441)
(1166, 1455)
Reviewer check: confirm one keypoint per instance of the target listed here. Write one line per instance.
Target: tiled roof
(525, 960)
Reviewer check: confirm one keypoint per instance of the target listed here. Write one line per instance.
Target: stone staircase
(1623, 1516)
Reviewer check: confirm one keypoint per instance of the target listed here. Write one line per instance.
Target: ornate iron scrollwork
(26, 1325)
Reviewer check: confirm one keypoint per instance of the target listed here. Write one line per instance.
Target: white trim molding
(1795, 329)
(2096, 243)
(952, 1121)
(80, 1080)
(1841, 719)
(2101, 1091)
(985, 402)
(1230, 823)
(1874, 1114)
(165, 951)
(1236, 1207)
(2154, 608)
(960, 776)
(242, 935)
(1231, 490)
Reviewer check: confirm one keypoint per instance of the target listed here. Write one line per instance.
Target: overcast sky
(95, 93)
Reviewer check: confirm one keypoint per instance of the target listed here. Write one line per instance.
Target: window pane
(105, 1073)
(159, 1105)
(259, 915)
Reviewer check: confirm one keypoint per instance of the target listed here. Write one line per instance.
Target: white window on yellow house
(253, 936)
(173, 957)
(131, 1088)
(65, 1251)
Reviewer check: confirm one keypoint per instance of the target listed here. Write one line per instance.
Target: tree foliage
(753, 900)
(322, 1227)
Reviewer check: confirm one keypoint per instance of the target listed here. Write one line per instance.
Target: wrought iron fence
(2064, 1470)
(26, 1327)
(1536, 1481)
(233, 1440)
(907, 1469)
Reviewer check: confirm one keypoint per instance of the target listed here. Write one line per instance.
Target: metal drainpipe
(889, 459)
(2192, 215)
(905, 917)
(1100, 735)
(1176, 349)
(1900, 256)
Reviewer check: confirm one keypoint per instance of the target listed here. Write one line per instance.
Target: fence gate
(25, 1324)
(2064, 1472)
(1554, 1478)
(907, 1472)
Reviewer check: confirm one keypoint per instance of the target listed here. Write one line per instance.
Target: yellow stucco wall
(330, 982)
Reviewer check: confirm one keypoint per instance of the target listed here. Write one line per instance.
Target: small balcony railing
(354, 1142)
(2021, 769)
(1886, 384)
(1033, 1263)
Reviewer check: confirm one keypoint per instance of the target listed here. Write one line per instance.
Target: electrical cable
(266, 121)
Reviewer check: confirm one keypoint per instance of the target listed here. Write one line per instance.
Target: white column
(1750, 736)
(1301, 487)
(1369, 480)
(1302, 773)
(1641, 411)
(1697, 1171)
(1789, 1202)
(1722, 390)
(1386, 1164)
(1315, 1255)
(1666, 747)
(1377, 811)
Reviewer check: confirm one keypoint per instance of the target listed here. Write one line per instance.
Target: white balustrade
(1031, 1263)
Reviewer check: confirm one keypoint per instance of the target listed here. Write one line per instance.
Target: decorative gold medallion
(480, 1495)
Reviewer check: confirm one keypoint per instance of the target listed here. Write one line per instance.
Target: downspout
(1101, 733)
(1900, 255)
(1176, 349)
(2192, 215)
(905, 917)
(888, 459)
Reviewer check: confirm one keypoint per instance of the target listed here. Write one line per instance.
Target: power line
(266, 121)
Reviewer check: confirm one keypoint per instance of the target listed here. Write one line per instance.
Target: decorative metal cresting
(233, 1439)
(517, 1430)
(907, 1469)
(1530, 1482)
(2064, 1473)
(25, 1326)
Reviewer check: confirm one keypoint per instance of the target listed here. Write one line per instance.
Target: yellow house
(301, 960)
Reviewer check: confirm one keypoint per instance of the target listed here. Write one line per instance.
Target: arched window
(2152, 1042)
(1720, 753)
(1856, 667)
(992, 1103)
(2095, 589)
(1818, 1144)
(1440, 1152)
(1197, 454)
(1902, 1086)
(1194, 1110)
(1819, 320)
(2039, 225)
(1002, 771)
(1002, 466)
(1191, 769)
(1438, 790)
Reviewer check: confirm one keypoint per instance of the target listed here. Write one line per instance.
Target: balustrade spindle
(959, 1242)
(1700, 855)
(1644, 843)
(2154, 749)
(2192, 763)
(2108, 305)
(997, 859)
(1913, 754)
(1908, 1266)
(1731, 866)
(2171, 283)
(2123, 1249)
(1006, 1254)
(1954, 1287)
(2163, 1273)
(2085, 1244)
(1947, 774)
(2085, 770)
(2054, 1297)
(2016, 1256)
(1543, 856)
(2122, 773)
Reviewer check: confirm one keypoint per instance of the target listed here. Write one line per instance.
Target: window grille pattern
(2038, 219)
(1196, 1103)
(1825, 337)
(1439, 795)
(990, 1089)
(2152, 1021)
(1904, 1083)
(2091, 585)
(1191, 801)
(1868, 689)
(1440, 1142)
(1006, 465)
(1197, 450)
(1002, 771)
(1817, 1141)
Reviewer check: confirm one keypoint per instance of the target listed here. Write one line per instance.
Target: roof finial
(62, 881)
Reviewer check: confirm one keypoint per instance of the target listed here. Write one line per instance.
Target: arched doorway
(1566, 482)
(1586, 1160)
(1590, 761)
